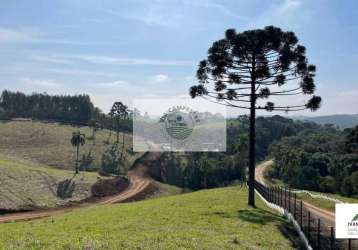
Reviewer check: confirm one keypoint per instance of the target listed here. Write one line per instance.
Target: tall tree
(78, 139)
(244, 68)
(94, 125)
(119, 112)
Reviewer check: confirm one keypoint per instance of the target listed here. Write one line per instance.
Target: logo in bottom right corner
(347, 221)
(353, 225)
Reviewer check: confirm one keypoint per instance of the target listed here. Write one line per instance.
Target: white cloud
(30, 35)
(76, 72)
(153, 15)
(37, 82)
(160, 78)
(288, 5)
(16, 36)
(161, 13)
(215, 6)
(51, 59)
(68, 42)
(288, 13)
(129, 61)
(113, 84)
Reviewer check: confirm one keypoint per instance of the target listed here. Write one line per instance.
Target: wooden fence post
(285, 190)
(289, 200)
(349, 244)
(294, 210)
(319, 234)
(309, 226)
(332, 238)
(278, 196)
(269, 194)
(301, 215)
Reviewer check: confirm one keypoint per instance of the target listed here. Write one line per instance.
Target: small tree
(77, 140)
(119, 112)
(95, 125)
(351, 143)
(243, 68)
(112, 162)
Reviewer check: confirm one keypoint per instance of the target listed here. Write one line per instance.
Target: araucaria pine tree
(119, 112)
(243, 69)
(78, 139)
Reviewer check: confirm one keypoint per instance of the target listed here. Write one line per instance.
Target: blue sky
(125, 49)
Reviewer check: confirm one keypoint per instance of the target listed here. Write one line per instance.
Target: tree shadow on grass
(258, 216)
(290, 233)
(255, 215)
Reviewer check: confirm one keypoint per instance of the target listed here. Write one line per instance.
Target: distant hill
(343, 121)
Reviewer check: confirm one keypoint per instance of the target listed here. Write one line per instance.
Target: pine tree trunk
(117, 131)
(94, 136)
(252, 151)
(122, 153)
(78, 147)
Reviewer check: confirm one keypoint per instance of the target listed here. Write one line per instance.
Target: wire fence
(318, 230)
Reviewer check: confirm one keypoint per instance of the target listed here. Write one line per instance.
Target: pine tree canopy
(255, 65)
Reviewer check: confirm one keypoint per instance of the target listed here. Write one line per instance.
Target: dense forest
(324, 161)
(76, 108)
(73, 109)
(197, 170)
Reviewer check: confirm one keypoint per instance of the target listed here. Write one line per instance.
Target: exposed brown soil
(107, 187)
(140, 186)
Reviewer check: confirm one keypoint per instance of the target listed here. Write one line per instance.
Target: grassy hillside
(49, 143)
(209, 219)
(25, 186)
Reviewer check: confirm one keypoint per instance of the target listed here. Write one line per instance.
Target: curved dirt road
(138, 182)
(329, 217)
(260, 169)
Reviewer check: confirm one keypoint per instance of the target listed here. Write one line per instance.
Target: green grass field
(49, 143)
(208, 219)
(24, 185)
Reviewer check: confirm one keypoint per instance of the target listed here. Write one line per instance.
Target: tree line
(325, 161)
(197, 170)
(70, 108)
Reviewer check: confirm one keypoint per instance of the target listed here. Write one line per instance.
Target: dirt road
(138, 182)
(329, 217)
(260, 169)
